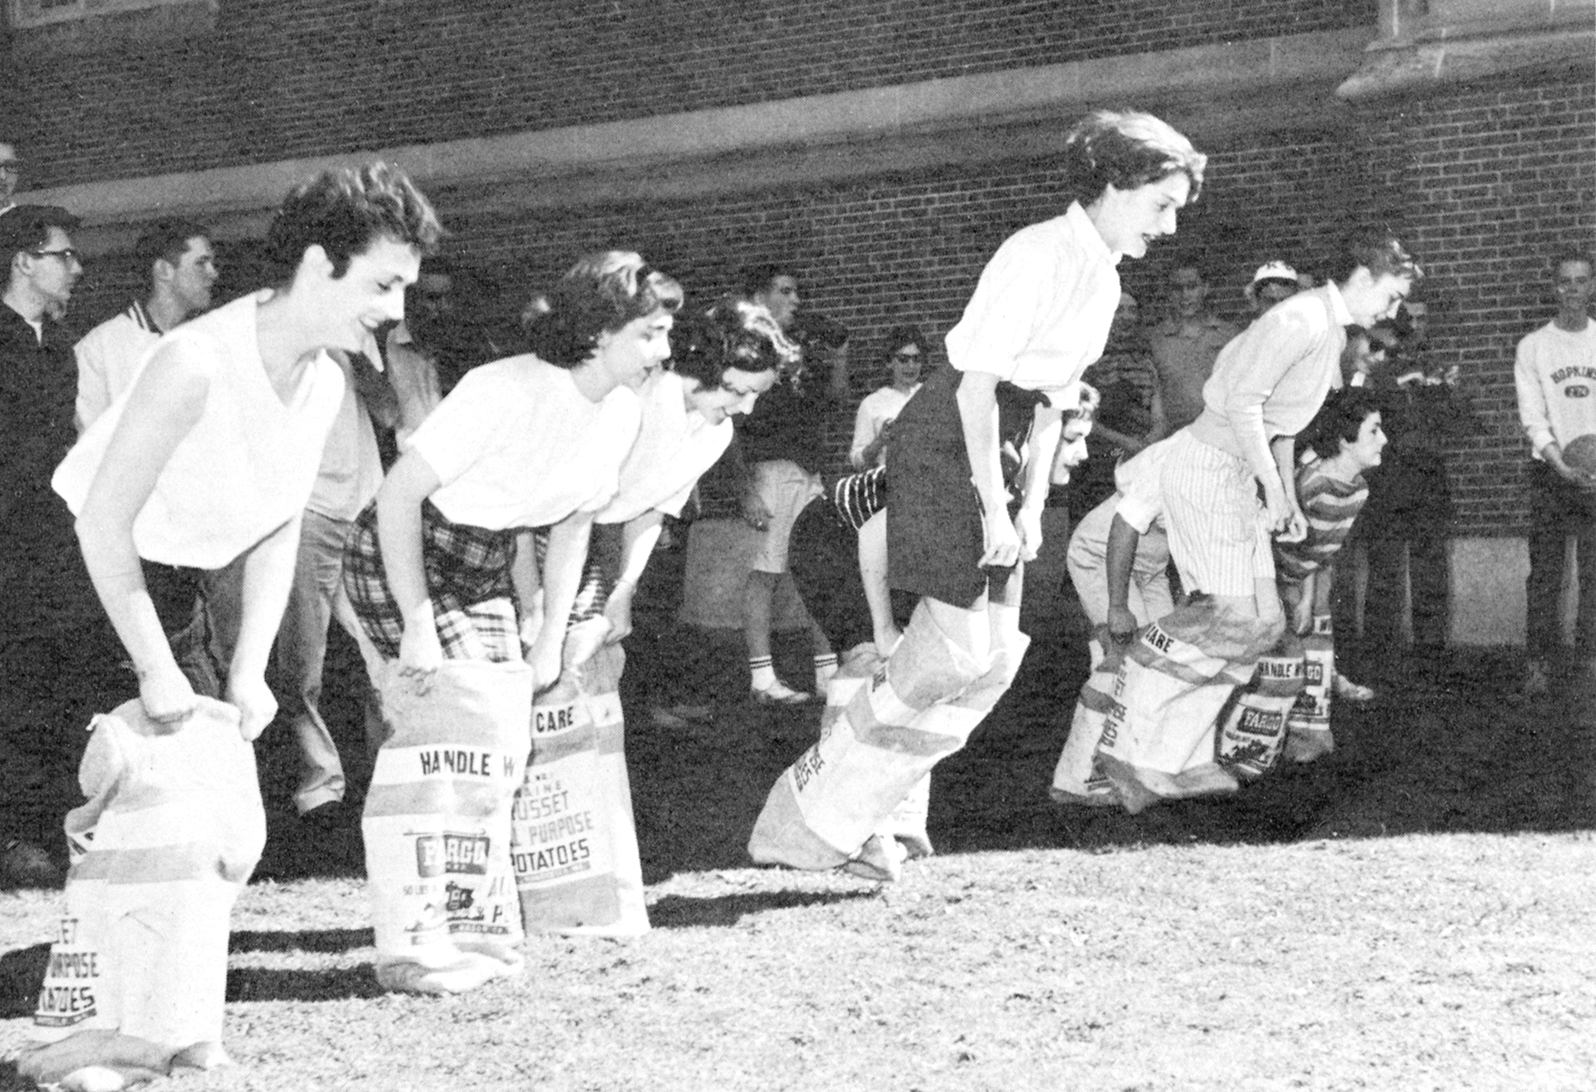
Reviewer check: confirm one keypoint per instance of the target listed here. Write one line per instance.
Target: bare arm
(267, 578)
(978, 415)
(1283, 449)
(873, 574)
(562, 576)
(1046, 426)
(1121, 559)
(411, 481)
(528, 586)
(163, 408)
(638, 540)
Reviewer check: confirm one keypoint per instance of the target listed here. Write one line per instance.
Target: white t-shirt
(516, 444)
(674, 447)
(1140, 503)
(109, 356)
(1041, 311)
(1555, 374)
(878, 408)
(248, 464)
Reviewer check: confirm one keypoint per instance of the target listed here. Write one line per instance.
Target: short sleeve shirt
(1042, 308)
(516, 444)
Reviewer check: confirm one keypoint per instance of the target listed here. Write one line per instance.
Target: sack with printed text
(436, 827)
(171, 831)
(573, 841)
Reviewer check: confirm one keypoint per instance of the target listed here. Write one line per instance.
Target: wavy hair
(601, 293)
(733, 334)
(345, 211)
(1126, 149)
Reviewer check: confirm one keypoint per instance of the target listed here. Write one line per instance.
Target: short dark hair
(167, 240)
(757, 278)
(345, 211)
(1126, 149)
(733, 334)
(1340, 419)
(601, 292)
(905, 333)
(1376, 249)
(27, 227)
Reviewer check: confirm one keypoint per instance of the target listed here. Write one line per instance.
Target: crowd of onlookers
(1159, 355)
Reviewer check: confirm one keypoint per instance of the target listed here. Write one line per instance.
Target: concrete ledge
(1208, 90)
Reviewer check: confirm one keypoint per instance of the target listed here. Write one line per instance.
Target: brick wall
(910, 247)
(1485, 183)
(285, 78)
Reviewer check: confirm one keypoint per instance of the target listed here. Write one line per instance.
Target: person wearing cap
(1185, 345)
(1274, 281)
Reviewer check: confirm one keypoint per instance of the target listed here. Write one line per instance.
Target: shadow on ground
(682, 912)
(1445, 749)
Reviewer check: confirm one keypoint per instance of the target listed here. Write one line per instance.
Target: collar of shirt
(1338, 306)
(1081, 224)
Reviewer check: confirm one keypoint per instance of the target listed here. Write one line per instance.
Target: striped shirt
(857, 497)
(1329, 505)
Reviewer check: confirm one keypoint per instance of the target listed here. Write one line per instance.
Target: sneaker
(777, 693)
(1535, 681)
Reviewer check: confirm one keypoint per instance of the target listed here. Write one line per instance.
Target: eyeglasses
(68, 255)
(908, 357)
(10, 167)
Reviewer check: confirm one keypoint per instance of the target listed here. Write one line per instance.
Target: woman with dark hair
(906, 355)
(722, 362)
(530, 441)
(439, 569)
(979, 437)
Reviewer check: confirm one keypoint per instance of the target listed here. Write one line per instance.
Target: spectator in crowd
(210, 456)
(1405, 523)
(10, 176)
(46, 603)
(906, 356)
(1129, 414)
(1555, 373)
(1184, 346)
(781, 445)
(1274, 281)
(177, 258)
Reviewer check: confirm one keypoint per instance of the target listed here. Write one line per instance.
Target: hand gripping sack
(437, 824)
(1308, 727)
(1158, 736)
(918, 708)
(1077, 778)
(171, 831)
(1254, 731)
(573, 840)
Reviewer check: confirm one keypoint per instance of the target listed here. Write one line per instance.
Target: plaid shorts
(468, 579)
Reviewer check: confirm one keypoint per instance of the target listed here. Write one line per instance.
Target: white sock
(825, 667)
(764, 675)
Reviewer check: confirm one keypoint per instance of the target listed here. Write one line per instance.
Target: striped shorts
(1218, 528)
